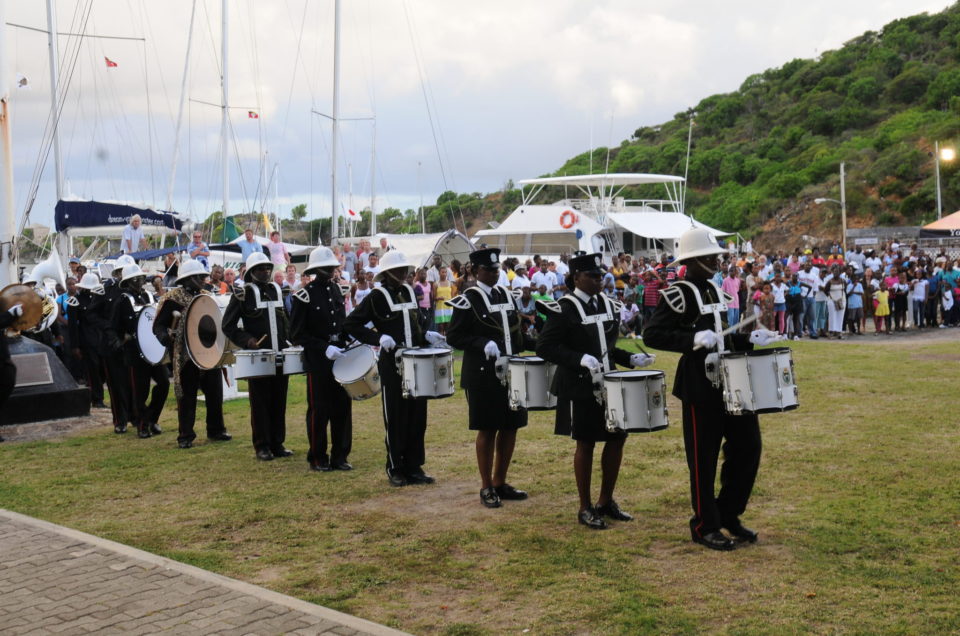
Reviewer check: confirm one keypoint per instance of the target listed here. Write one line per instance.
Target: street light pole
(843, 208)
(936, 164)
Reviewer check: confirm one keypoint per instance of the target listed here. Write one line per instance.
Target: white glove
(434, 338)
(705, 339)
(762, 337)
(16, 311)
(642, 359)
(589, 362)
(387, 343)
(491, 350)
(334, 352)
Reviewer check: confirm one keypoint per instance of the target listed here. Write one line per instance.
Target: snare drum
(760, 381)
(151, 350)
(426, 373)
(357, 372)
(292, 360)
(635, 401)
(255, 363)
(528, 383)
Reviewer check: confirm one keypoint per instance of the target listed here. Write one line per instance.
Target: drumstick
(262, 338)
(730, 330)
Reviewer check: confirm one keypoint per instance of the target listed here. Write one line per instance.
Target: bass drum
(151, 350)
(206, 343)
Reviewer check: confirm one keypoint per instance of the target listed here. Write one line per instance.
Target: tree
(299, 212)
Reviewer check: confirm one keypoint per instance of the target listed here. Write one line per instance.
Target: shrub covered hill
(761, 154)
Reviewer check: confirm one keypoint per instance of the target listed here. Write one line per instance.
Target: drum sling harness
(502, 309)
(270, 306)
(598, 320)
(404, 309)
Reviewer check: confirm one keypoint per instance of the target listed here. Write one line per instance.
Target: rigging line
(297, 60)
(87, 36)
(146, 81)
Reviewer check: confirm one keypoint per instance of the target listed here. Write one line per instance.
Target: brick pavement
(54, 580)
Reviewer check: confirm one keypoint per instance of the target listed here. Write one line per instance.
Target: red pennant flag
(252, 114)
(351, 212)
(110, 63)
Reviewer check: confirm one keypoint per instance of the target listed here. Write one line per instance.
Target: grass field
(857, 504)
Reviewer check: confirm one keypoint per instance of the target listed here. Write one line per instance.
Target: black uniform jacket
(123, 324)
(103, 315)
(256, 322)
(316, 322)
(87, 327)
(672, 327)
(565, 339)
(374, 308)
(5, 321)
(163, 321)
(473, 326)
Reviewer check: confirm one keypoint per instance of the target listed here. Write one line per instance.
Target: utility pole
(8, 266)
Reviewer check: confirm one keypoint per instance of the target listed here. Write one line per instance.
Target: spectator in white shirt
(544, 277)
(133, 240)
(373, 265)
(520, 280)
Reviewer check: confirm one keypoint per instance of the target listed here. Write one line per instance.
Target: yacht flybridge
(596, 219)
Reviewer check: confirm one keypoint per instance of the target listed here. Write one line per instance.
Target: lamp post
(843, 206)
(947, 154)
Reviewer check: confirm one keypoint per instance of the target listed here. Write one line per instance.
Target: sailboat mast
(8, 267)
(336, 124)
(373, 181)
(55, 94)
(183, 99)
(225, 115)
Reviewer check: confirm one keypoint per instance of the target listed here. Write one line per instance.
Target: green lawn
(857, 503)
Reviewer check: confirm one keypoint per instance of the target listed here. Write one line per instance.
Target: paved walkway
(57, 580)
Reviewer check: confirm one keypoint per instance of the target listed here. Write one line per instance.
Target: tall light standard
(947, 154)
(843, 207)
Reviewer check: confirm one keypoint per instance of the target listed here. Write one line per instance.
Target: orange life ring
(567, 219)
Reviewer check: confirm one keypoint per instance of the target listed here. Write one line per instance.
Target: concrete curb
(264, 594)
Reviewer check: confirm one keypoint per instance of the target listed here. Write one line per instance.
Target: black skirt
(490, 411)
(583, 420)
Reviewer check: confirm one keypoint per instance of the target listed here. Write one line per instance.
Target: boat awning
(564, 242)
(604, 180)
(106, 219)
(420, 248)
(947, 227)
(659, 225)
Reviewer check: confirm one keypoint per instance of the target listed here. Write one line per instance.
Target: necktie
(593, 305)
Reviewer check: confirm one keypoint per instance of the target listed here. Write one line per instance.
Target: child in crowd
(881, 308)
(443, 311)
(779, 289)
(766, 302)
(900, 291)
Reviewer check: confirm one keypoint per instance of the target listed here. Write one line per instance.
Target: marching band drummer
(260, 306)
(111, 350)
(572, 340)
(124, 328)
(316, 323)
(188, 378)
(486, 325)
(682, 321)
(393, 312)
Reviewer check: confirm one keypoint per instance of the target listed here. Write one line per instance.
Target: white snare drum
(357, 372)
(255, 363)
(760, 381)
(151, 350)
(292, 360)
(635, 401)
(426, 373)
(528, 383)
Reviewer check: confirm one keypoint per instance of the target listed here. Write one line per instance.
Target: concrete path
(54, 580)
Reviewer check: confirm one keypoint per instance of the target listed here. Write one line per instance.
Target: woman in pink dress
(278, 251)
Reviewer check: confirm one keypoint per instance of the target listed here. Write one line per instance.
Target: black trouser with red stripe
(93, 371)
(268, 411)
(143, 414)
(117, 376)
(327, 401)
(708, 429)
(405, 420)
(191, 380)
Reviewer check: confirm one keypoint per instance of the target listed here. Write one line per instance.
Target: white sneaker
(796, 337)
(943, 326)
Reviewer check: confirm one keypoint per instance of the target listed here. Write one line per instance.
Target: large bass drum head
(150, 348)
(205, 341)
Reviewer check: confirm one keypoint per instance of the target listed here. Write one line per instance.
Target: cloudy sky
(514, 88)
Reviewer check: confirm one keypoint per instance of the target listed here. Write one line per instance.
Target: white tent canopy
(420, 248)
(659, 225)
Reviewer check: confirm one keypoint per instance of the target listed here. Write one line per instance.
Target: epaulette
(617, 304)
(674, 297)
(72, 301)
(240, 293)
(302, 295)
(548, 306)
(459, 302)
(727, 298)
(344, 289)
(517, 293)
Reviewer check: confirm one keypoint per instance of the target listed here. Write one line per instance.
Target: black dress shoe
(420, 477)
(341, 466)
(591, 519)
(185, 444)
(99, 405)
(264, 455)
(613, 511)
(120, 429)
(323, 466)
(715, 540)
(143, 433)
(220, 437)
(282, 452)
(740, 533)
(396, 478)
(490, 498)
(506, 491)
(155, 429)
